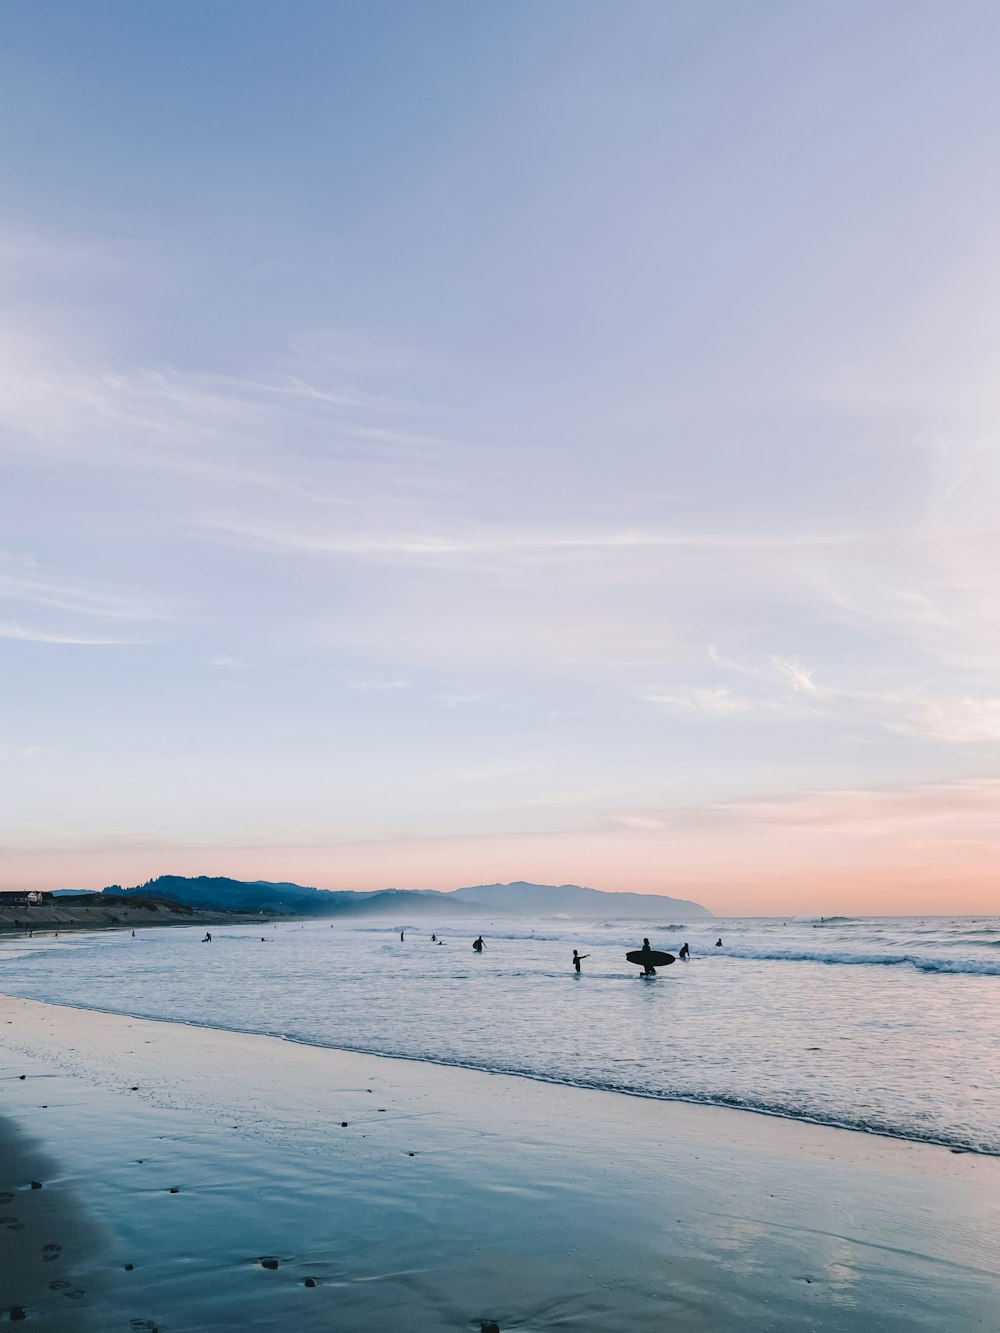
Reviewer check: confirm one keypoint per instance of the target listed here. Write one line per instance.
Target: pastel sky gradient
(447, 442)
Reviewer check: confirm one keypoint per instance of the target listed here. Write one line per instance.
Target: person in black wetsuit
(578, 959)
(684, 952)
(478, 945)
(648, 970)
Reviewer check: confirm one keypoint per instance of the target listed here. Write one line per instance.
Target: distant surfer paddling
(578, 959)
(478, 945)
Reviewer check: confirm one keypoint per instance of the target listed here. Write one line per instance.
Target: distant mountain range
(218, 893)
(574, 900)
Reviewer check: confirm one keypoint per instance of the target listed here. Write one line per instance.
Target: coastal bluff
(89, 911)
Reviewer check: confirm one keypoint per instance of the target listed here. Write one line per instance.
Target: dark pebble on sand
(309, 1282)
(36, 1184)
(268, 1263)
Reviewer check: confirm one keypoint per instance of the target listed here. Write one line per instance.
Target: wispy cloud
(378, 684)
(24, 581)
(967, 721)
(870, 810)
(11, 629)
(224, 663)
(713, 703)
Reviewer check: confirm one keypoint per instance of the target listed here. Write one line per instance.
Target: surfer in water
(718, 944)
(478, 945)
(648, 970)
(684, 952)
(402, 937)
(208, 937)
(578, 959)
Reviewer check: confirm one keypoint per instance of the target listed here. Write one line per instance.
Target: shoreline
(452, 1195)
(864, 1131)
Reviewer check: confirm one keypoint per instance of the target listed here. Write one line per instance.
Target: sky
(444, 443)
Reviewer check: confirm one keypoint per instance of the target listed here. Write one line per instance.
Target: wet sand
(49, 1247)
(451, 1197)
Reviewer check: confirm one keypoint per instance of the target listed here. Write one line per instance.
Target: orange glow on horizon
(909, 851)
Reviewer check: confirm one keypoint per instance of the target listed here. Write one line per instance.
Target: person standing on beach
(578, 959)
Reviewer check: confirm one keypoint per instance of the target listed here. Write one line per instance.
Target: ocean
(891, 1026)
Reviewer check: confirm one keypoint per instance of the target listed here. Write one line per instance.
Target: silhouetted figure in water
(208, 937)
(578, 959)
(648, 970)
(478, 945)
(434, 939)
(133, 934)
(684, 952)
(402, 937)
(718, 944)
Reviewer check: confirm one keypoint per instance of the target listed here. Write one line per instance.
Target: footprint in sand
(60, 1284)
(50, 1252)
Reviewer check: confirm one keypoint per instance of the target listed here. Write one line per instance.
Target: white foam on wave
(955, 966)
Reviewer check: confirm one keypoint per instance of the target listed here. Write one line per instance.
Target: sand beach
(174, 1160)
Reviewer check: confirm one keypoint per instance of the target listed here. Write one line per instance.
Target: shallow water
(887, 1025)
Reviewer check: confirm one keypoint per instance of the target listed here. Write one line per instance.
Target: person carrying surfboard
(648, 970)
